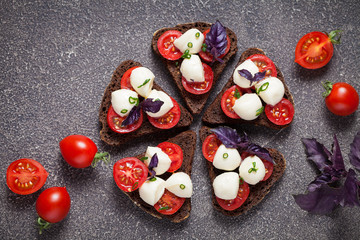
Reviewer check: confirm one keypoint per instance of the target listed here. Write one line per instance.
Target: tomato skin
(166, 45)
(200, 87)
(170, 202)
(25, 176)
(264, 64)
(343, 99)
(210, 146)
(175, 154)
(207, 56)
(53, 204)
(280, 114)
(114, 122)
(241, 197)
(169, 120)
(125, 79)
(228, 100)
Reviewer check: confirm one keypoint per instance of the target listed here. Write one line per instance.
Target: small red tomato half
(280, 114)
(200, 87)
(210, 146)
(125, 79)
(169, 119)
(25, 176)
(53, 204)
(228, 100)
(175, 154)
(169, 203)
(241, 197)
(166, 45)
(341, 98)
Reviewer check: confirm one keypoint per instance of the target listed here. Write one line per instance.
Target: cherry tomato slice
(125, 79)
(114, 121)
(210, 146)
(280, 114)
(241, 197)
(264, 64)
(207, 56)
(343, 99)
(200, 87)
(166, 45)
(175, 154)
(314, 50)
(130, 173)
(269, 167)
(25, 176)
(228, 100)
(169, 203)
(169, 120)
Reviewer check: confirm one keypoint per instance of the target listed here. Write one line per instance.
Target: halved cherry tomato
(175, 154)
(200, 87)
(241, 197)
(207, 56)
(169, 203)
(228, 100)
(25, 176)
(280, 114)
(166, 45)
(169, 120)
(210, 146)
(130, 173)
(125, 79)
(114, 121)
(264, 64)
(269, 167)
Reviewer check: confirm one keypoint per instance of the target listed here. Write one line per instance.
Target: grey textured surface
(56, 58)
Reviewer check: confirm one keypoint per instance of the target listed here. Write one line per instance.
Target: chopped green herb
(263, 87)
(190, 45)
(143, 159)
(186, 54)
(197, 35)
(225, 155)
(144, 83)
(164, 208)
(237, 94)
(241, 181)
(176, 63)
(253, 169)
(153, 179)
(133, 100)
(135, 185)
(124, 111)
(259, 111)
(182, 186)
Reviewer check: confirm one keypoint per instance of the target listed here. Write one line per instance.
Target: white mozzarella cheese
(164, 160)
(226, 185)
(272, 90)
(241, 81)
(152, 190)
(226, 158)
(179, 184)
(142, 80)
(167, 106)
(192, 40)
(192, 69)
(252, 170)
(248, 106)
(123, 100)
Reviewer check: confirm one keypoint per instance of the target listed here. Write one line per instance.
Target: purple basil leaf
(316, 152)
(259, 76)
(336, 158)
(246, 74)
(216, 40)
(260, 152)
(319, 181)
(350, 190)
(133, 116)
(354, 154)
(148, 105)
(153, 162)
(228, 136)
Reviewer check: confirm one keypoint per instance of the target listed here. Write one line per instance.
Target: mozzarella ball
(273, 90)
(226, 185)
(192, 40)
(226, 158)
(192, 69)
(240, 80)
(248, 106)
(152, 190)
(167, 106)
(164, 159)
(252, 170)
(179, 184)
(123, 100)
(142, 80)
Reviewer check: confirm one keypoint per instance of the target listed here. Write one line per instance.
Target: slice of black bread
(195, 103)
(187, 141)
(258, 191)
(113, 138)
(215, 116)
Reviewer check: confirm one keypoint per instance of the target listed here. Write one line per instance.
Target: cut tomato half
(169, 120)
(280, 114)
(228, 100)
(210, 146)
(264, 64)
(125, 79)
(241, 197)
(166, 45)
(175, 154)
(169, 203)
(114, 121)
(200, 87)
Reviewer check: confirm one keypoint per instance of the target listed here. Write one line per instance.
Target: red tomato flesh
(343, 99)
(169, 120)
(114, 122)
(125, 79)
(166, 45)
(264, 64)
(228, 100)
(200, 87)
(169, 203)
(210, 146)
(241, 197)
(207, 56)
(280, 114)
(175, 154)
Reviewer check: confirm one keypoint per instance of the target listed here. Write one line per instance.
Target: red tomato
(228, 100)
(207, 56)
(166, 45)
(233, 204)
(169, 203)
(280, 114)
(341, 98)
(175, 153)
(169, 120)
(114, 121)
(264, 64)
(210, 146)
(269, 167)
(53, 204)
(25, 176)
(125, 79)
(200, 87)
(130, 173)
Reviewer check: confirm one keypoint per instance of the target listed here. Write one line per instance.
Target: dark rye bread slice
(215, 116)
(187, 141)
(113, 138)
(194, 102)
(258, 191)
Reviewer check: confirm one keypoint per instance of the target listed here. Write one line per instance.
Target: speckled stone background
(57, 57)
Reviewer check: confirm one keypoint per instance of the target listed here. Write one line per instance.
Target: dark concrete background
(56, 60)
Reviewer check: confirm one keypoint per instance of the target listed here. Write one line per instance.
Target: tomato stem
(101, 156)
(333, 34)
(43, 224)
(328, 87)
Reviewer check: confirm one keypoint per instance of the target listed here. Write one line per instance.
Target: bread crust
(195, 103)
